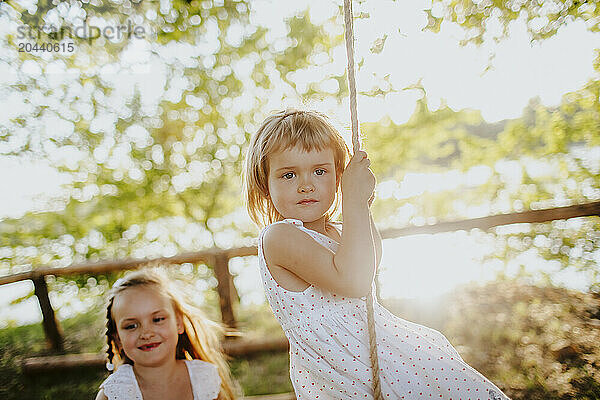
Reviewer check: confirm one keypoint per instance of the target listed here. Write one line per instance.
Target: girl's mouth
(307, 202)
(149, 346)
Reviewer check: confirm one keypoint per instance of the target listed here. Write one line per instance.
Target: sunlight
(410, 269)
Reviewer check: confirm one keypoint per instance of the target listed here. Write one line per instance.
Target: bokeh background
(132, 146)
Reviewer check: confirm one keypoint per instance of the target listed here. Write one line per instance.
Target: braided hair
(199, 340)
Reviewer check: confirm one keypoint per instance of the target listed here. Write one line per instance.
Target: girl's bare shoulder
(284, 237)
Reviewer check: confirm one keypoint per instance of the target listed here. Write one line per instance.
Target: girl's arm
(376, 242)
(101, 395)
(349, 271)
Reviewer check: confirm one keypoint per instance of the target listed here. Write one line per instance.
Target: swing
(349, 35)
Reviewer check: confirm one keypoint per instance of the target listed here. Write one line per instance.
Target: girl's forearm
(355, 258)
(376, 241)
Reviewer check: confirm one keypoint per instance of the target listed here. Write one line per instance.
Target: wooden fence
(218, 259)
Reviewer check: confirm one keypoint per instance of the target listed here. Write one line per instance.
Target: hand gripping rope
(356, 147)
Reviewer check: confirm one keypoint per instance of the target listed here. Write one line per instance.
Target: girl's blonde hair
(308, 130)
(199, 341)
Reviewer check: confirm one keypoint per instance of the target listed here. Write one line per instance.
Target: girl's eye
(320, 172)
(159, 319)
(130, 326)
(288, 175)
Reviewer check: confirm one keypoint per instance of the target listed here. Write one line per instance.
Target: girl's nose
(306, 188)
(146, 333)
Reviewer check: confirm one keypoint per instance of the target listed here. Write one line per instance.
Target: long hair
(308, 130)
(199, 340)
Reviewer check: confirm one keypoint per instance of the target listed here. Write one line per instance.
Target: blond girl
(161, 346)
(316, 272)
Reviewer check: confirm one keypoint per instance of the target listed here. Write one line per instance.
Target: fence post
(51, 327)
(225, 289)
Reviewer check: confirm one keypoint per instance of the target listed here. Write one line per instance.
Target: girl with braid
(317, 273)
(162, 347)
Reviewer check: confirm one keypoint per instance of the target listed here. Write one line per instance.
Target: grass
(25, 341)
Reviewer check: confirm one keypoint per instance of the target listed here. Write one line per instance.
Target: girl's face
(147, 325)
(302, 185)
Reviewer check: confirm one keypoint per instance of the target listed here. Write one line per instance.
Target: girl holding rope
(316, 273)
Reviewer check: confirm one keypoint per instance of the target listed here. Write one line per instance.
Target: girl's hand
(358, 181)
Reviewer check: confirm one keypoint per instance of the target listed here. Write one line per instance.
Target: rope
(351, 80)
(356, 147)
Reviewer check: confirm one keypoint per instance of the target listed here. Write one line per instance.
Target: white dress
(204, 376)
(329, 347)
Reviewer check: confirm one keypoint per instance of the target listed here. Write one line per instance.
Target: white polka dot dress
(329, 347)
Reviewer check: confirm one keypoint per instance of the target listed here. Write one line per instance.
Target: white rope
(356, 147)
(348, 19)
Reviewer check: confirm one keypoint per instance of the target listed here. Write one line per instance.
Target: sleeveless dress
(329, 346)
(204, 376)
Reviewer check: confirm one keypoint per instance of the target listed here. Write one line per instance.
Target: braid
(110, 332)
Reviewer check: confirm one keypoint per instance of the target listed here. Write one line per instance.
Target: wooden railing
(218, 259)
(233, 348)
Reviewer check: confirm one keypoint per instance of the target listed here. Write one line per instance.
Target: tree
(561, 140)
(151, 174)
(543, 19)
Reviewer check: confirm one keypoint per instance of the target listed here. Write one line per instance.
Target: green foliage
(546, 143)
(148, 176)
(553, 135)
(26, 341)
(543, 18)
(307, 42)
(435, 140)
